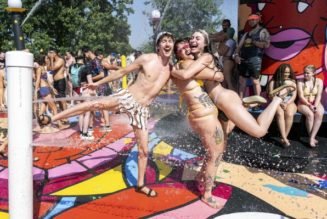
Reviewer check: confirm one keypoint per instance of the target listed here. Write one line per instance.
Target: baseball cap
(162, 34)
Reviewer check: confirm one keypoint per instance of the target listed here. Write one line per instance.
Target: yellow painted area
(107, 182)
(4, 215)
(164, 169)
(127, 140)
(162, 149)
(253, 180)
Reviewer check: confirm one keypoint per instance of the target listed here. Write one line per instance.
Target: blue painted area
(322, 184)
(130, 169)
(62, 205)
(73, 119)
(182, 155)
(287, 190)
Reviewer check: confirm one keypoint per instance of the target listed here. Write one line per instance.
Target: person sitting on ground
(309, 102)
(285, 112)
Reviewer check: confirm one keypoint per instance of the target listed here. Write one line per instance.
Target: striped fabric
(138, 115)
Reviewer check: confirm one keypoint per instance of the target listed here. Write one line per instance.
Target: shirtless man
(202, 116)
(57, 68)
(154, 72)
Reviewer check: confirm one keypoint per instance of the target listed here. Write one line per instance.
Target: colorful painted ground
(83, 179)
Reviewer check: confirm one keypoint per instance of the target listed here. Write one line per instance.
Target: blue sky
(140, 27)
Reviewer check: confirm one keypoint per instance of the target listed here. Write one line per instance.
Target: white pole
(19, 67)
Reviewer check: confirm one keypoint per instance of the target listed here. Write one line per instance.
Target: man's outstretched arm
(114, 75)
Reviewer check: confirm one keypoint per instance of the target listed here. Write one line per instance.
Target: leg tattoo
(208, 183)
(218, 136)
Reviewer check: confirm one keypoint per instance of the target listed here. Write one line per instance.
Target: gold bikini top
(307, 92)
(200, 82)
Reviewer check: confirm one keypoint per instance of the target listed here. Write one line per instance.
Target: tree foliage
(71, 24)
(182, 17)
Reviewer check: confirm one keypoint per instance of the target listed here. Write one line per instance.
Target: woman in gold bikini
(202, 117)
(309, 104)
(227, 100)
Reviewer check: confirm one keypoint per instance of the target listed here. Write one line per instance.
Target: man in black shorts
(249, 54)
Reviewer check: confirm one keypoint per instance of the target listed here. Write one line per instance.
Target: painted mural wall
(298, 34)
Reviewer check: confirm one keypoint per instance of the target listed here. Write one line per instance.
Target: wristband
(235, 55)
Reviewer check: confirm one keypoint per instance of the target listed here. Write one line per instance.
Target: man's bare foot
(146, 191)
(211, 202)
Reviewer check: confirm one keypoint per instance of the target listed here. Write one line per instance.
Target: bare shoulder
(147, 57)
(300, 81)
(60, 60)
(319, 81)
(206, 58)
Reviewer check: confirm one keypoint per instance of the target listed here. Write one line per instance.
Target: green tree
(184, 16)
(71, 24)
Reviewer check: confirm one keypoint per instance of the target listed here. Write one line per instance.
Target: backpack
(75, 75)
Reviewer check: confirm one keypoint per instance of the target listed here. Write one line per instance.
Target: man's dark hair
(98, 52)
(227, 21)
(86, 49)
(79, 58)
(40, 59)
(52, 49)
(178, 41)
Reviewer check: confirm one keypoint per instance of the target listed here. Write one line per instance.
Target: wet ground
(94, 179)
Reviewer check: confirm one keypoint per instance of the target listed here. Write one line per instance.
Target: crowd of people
(242, 62)
(203, 74)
